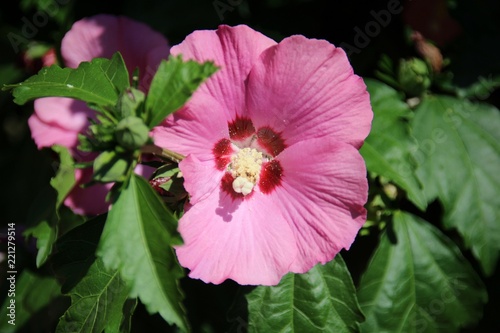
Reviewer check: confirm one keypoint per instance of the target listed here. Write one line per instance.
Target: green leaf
(45, 233)
(386, 150)
(42, 219)
(110, 166)
(458, 158)
(137, 241)
(96, 302)
(64, 181)
(98, 82)
(97, 295)
(418, 281)
(32, 293)
(321, 300)
(172, 86)
(75, 252)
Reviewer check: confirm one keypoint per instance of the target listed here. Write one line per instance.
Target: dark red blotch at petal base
(222, 153)
(270, 176)
(156, 185)
(271, 141)
(240, 129)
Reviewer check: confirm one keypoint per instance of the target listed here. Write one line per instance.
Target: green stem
(162, 153)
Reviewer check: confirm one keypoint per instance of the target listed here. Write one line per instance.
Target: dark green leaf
(32, 293)
(97, 295)
(137, 241)
(96, 302)
(386, 150)
(173, 84)
(321, 300)
(98, 82)
(458, 158)
(419, 282)
(75, 252)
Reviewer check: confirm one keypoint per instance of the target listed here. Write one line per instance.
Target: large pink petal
(244, 240)
(201, 177)
(234, 49)
(103, 35)
(324, 188)
(90, 200)
(305, 88)
(58, 121)
(64, 112)
(193, 130)
(46, 134)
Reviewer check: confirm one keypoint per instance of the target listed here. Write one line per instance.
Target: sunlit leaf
(137, 241)
(387, 148)
(321, 300)
(458, 158)
(418, 281)
(173, 84)
(98, 82)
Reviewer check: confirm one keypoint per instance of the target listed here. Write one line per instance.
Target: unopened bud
(131, 133)
(414, 76)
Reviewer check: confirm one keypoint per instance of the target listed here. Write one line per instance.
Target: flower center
(245, 168)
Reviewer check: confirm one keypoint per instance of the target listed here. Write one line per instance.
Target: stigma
(245, 168)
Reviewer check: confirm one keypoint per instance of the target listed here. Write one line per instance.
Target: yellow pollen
(245, 168)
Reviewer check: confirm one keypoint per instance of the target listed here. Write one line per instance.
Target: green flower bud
(414, 76)
(131, 133)
(130, 101)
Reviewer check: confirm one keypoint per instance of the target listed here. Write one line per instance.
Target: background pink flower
(59, 120)
(275, 178)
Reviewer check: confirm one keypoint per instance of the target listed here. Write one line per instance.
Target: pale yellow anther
(245, 168)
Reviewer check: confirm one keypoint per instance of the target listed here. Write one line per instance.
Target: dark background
(467, 33)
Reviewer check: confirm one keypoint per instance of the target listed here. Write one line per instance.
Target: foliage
(426, 260)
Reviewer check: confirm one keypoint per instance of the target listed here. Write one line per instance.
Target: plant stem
(162, 153)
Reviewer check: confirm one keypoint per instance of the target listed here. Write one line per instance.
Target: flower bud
(131, 133)
(414, 76)
(130, 101)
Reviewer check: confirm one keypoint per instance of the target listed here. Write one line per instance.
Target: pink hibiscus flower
(60, 120)
(275, 179)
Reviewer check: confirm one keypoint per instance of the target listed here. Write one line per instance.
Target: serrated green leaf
(32, 293)
(98, 82)
(137, 241)
(97, 295)
(96, 302)
(386, 150)
(64, 181)
(172, 86)
(418, 281)
(321, 300)
(458, 158)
